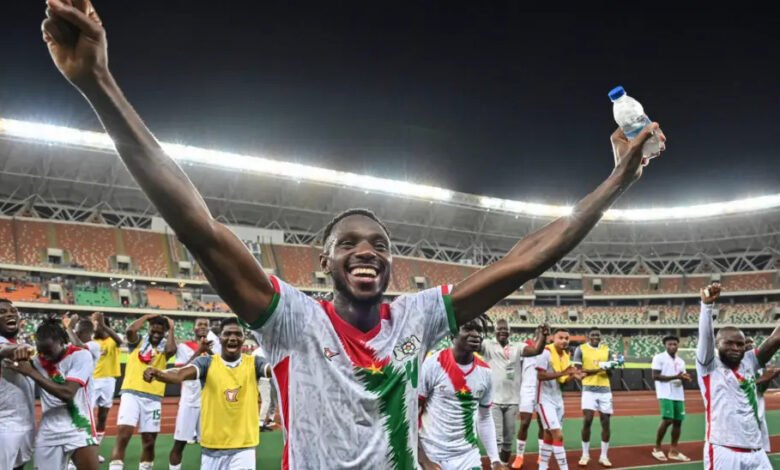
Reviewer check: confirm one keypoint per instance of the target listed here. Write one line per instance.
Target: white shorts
(187, 423)
(241, 460)
(56, 457)
(551, 414)
(723, 458)
(16, 448)
(601, 402)
(468, 460)
(527, 400)
(139, 411)
(104, 392)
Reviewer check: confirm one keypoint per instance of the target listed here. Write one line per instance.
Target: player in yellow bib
(141, 402)
(229, 414)
(593, 359)
(106, 370)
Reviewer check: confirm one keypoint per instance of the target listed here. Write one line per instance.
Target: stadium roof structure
(67, 174)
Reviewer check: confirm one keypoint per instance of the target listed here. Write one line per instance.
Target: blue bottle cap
(616, 93)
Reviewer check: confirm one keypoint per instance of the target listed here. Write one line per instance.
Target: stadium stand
(22, 292)
(297, 264)
(7, 252)
(95, 296)
(162, 299)
(31, 242)
(147, 252)
(87, 246)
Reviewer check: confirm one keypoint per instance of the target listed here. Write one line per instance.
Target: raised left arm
(170, 341)
(542, 332)
(537, 252)
(769, 347)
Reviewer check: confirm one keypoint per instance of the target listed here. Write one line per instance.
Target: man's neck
(362, 315)
(462, 357)
(230, 358)
(9, 336)
(503, 342)
(558, 350)
(671, 354)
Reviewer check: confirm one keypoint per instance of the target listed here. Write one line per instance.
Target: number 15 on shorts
(156, 415)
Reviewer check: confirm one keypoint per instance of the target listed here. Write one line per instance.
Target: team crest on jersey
(406, 348)
(231, 395)
(329, 353)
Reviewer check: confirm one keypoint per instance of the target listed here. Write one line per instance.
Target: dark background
(493, 98)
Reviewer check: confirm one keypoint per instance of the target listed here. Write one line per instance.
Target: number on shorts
(156, 415)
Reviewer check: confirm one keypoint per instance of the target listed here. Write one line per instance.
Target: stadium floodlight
(51, 134)
(183, 153)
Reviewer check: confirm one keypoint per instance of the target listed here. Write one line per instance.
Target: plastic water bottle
(630, 116)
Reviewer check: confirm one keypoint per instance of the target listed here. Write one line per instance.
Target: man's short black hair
(560, 330)
(229, 321)
(594, 328)
(349, 212)
(3, 300)
(159, 320)
(51, 328)
(670, 338)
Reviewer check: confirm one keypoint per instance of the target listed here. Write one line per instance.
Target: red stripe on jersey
(282, 377)
(708, 399)
(355, 341)
(454, 372)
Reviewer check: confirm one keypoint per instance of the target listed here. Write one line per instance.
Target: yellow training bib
(108, 363)
(229, 416)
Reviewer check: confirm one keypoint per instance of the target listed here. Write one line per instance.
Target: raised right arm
(705, 349)
(83, 60)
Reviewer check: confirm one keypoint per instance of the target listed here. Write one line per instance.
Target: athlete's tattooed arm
(537, 252)
(82, 58)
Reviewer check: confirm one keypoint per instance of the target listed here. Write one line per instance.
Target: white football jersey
(452, 393)
(348, 398)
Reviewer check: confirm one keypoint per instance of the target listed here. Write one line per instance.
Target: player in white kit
(553, 369)
(64, 374)
(504, 359)
(17, 394)
(188, 415)
(764, 379)
(335, 348)
(80, 332)
(728, 385)
(529, 384)
(456, 393)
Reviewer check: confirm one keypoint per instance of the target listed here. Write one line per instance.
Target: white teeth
(371, 272)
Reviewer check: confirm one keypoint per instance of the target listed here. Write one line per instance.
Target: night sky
(485, 97)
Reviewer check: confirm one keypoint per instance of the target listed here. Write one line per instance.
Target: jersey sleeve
(280, 328)
(705, 350)
(432, 309)
(260, 367)
(183, 354)
(202, 365)
(657, 363)
(487, 397)
(79, 368)
(94, 349)
(577, 359)
(751, 360)
(543, 362)
(426, 377)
